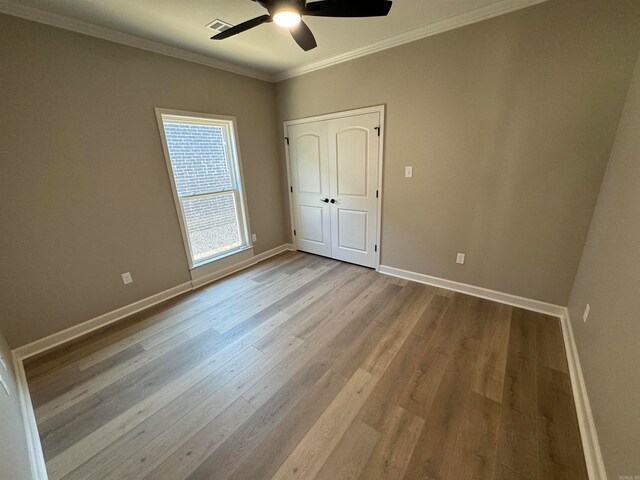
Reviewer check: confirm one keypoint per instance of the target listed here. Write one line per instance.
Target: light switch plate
(408, 171)
(254, 237)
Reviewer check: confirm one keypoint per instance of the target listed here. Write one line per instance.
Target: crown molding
(483, 13)
(495, 9)
(93, 30)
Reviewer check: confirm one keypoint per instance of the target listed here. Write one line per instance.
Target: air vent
(219, 26)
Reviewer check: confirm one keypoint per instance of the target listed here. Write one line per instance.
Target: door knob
(333, 200)
(325, 200)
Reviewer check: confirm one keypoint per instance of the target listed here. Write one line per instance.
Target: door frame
(380, 109)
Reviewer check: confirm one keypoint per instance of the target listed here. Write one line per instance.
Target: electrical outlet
(408, 171)
(126, 278)
(585, 315)
(4, 384)
(3, 363)
(254, 237)
(461, 258)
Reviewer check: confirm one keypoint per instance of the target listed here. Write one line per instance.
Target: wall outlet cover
(254, 237)
(126, 278)
(460, 258)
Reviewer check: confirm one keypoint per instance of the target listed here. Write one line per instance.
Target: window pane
(212, 225)
(198, 158)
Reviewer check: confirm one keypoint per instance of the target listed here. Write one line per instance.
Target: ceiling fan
(288, 13)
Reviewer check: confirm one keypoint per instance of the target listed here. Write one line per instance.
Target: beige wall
(508, 124)
(85, 190)
(609, 280)
(14, 456)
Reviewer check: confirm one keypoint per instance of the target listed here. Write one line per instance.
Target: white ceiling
(267, 51)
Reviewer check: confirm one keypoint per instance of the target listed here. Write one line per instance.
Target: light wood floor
(306, 368)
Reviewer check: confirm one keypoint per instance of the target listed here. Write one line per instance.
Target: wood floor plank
(311, 453)
(225, 321)
(434, 451)
(560, 446)
(420, 391)
(522, 339)
(72, 424)
(162, 446)
(549, 343)
(60, 381)
(475, 449)
(399, 318)
(212, 394)
(301, 367)
(304, 321)
(492, 353)
(502, 472)
(267, 458)
(104, 378)
(392, 453)
(350, 455)
(326, 345)
(239, 446)
(99, 438)
(201, 445)
(517, 443)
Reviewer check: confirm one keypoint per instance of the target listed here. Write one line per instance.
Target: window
(202, 158)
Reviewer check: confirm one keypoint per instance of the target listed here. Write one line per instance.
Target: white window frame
(233, 153)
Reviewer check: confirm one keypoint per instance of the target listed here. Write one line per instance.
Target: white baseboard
(108, 318)
(199, 282)
(100, 321)
(36, 457)
(590, 444)
(500, 297)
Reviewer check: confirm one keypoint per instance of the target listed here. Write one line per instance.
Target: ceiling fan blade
(303, 36)
(242, 27)
(350, 8)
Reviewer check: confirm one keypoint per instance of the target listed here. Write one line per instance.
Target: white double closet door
(334, 186)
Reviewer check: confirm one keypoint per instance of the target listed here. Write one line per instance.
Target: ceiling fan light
(287, 18)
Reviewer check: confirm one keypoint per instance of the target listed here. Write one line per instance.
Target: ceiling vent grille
(218, 25)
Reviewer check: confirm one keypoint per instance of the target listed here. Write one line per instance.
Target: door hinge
(377, 194)
(291, 189)
(287, 139)
(378, 129)
(294, 233)
(376, 248)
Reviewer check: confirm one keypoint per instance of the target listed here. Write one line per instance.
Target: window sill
(220, 257)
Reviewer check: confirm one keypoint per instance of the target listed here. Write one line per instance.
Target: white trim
(479, 14)
(590, 444)
(93, 30)
(36, 457)
(332, 116)
(230, 125)
(494, 9)
(501, 297)
(380, 110)
(98, 322)
(108, 318)
(34, 447)
(199, 282)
